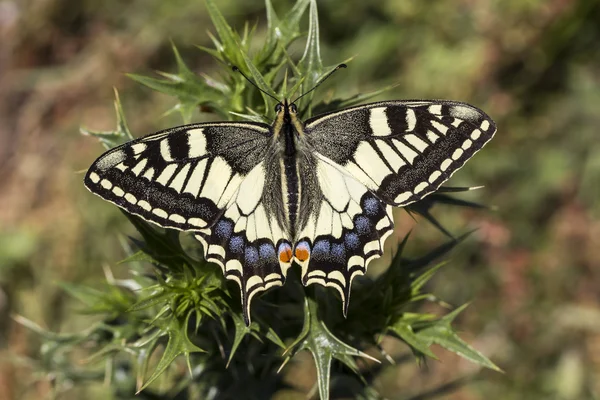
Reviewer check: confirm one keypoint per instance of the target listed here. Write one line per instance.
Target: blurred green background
(531, 270)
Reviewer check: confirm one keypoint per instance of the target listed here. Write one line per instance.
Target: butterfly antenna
(236, 69)
(320, 82)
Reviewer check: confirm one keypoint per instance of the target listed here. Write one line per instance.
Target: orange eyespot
(302, 253)
(285, 253)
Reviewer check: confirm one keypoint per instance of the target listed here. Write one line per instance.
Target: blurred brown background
(532, 270)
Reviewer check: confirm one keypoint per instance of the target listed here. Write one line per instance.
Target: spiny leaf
(311, 65)
(178, 343)
(441, 332)
(114, 138)
(228, 44)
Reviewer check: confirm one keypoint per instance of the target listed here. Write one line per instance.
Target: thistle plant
(175, 328)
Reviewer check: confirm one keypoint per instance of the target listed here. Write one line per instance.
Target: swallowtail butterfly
(317, 193)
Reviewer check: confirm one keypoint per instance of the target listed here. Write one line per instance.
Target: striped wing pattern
(346, 233)
(247, 239)
(401, 150)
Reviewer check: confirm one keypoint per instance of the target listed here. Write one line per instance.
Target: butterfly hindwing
(401, 150)
(344, 233)
(183, 177)
(248, 241)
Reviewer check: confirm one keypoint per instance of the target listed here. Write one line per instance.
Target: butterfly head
(287, 111)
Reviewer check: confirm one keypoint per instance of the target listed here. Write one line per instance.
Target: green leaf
(404, 330)
(178, 344)
(228, 45)
(190, 90)
(440, 332)
(311, 65)
(114, 138)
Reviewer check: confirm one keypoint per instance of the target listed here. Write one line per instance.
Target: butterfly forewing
(401, 150)
(179, 178)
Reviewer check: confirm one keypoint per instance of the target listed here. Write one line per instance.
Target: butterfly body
(319, 194)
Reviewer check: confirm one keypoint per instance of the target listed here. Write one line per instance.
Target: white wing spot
(420, 187)
(199, 222)
(253, 281)
(411, 119)
(475, 135)
(94, 177)
(457, 153)
(402, 197)
(445, 164)
(159, 212)
(467, 144)
(105, 183)
(456, 123)
(379, 122)
(433, 177)
(485, 125)
(118, 191)
(130, 198)
(196, 143)
(144, 205)
(177, 218)
(121, 167)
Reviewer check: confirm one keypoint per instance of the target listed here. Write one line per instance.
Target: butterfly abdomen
(291, 189)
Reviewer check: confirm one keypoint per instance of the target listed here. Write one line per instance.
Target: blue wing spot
(224, 229)
(321, 247)
(236, 244)
(371, 206)
(338, 251)
(266, 250)
(251, 256)
(362, 225)
(352, 241)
